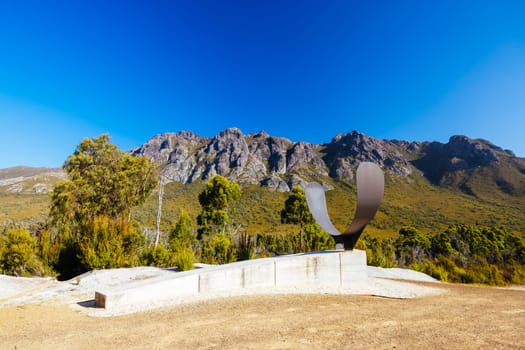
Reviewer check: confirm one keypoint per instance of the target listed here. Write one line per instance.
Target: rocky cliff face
(345, 152)
(259, 158)
(279, 163)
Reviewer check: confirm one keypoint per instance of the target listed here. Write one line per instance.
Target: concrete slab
(259, 275)
(309, 272)
(149, 291)
(353, 267)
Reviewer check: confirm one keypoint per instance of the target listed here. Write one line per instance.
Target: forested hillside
(431, 189)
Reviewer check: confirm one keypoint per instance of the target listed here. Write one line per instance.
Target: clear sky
(306, 70)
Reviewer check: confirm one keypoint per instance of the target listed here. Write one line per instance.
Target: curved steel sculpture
(370, 189)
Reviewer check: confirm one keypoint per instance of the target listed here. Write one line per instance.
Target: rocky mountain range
(428, 184)
(474, 166)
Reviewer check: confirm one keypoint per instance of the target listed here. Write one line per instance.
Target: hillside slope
(429, 185)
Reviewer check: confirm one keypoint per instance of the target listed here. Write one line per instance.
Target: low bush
(157, 256)
(184, 259)
(18, 254)
(219, 249)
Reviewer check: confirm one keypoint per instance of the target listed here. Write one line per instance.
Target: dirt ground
(465, 317)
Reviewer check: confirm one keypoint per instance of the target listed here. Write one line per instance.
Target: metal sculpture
(370, 188)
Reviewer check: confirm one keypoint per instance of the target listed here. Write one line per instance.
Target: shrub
(18, 253)
(219, 250)
(411, 246)
(277, 244)
(156, 256)
(434, 270)
(245, 246)
(184, 259)
(110, 243)
(378, 252)
(316, 239)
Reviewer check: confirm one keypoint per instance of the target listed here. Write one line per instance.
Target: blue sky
(305, 70)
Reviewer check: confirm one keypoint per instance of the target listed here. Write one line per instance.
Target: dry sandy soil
(464, 317)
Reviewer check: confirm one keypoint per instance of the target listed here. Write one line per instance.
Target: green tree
(215, 229)
(90, 212)
(296, 212)
(103, 180)
(182, 235)
(110, 243)
(215, 201)
(183, 242)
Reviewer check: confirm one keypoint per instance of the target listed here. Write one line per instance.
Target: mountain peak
(279, 163)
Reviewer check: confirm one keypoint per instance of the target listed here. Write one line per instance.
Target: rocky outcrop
(346, 151)
(186, 157)
(438, 160)
(304, 157)
(175, 152)
(279, 163)
(466, 153)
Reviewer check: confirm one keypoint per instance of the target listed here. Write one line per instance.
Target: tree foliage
(461, 253)
(18, 253)
(215, 231)
(411, 246)
(296, 212)
(219, 249)
(110, 243)
(183, 242)
(102, 180)
(215, 201)
(90, 212)
(183, 235)
(296, 208)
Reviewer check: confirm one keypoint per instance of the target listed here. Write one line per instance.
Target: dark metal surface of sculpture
(370, 189)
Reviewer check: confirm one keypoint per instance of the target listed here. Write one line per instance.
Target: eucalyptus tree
(90, 212)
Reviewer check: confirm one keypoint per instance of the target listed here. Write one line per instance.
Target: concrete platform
(326, 271)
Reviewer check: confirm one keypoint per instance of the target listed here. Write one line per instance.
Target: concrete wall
(321, 271)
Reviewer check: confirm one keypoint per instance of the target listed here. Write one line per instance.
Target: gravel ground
(465, 317)
(42, 313)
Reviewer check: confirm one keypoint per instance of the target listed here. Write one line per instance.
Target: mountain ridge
(428, 185)
(476, 167)
(279, 163)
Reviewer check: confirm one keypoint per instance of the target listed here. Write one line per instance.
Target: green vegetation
(296, 211)
(311, 236)
(216, 201)
(18, 253)
(90, 224)
(461, 253)
(183, 243)
(216, 230)
(104, 215)
(156, 256)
